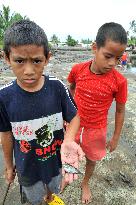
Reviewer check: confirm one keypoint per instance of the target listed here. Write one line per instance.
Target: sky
(79, 18)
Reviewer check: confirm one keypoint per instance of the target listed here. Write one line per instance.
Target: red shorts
(93, 142)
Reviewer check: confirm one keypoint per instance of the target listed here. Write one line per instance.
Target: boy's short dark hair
(111, 31)
(25, 32)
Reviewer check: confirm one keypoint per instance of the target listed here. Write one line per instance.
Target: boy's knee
(90, 162)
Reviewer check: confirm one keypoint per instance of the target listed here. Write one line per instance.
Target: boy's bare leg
(63, 185)
(86, 192)
(48, 197)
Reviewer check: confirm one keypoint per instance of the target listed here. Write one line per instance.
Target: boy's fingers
(75, 176)
(63, 172)
(81, 154)
(107, 145)
(71, 178)
(68, 178)
(10, 175)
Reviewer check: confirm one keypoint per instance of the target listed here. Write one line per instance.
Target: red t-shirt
(124, 57)
(95, 93)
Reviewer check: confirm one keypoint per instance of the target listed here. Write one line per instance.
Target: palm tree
(6, 19)
(54, 39)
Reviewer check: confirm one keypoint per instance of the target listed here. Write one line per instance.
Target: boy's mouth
(107, 69)
(29, 81)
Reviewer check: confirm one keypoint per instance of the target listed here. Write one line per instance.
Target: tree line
(7, 18)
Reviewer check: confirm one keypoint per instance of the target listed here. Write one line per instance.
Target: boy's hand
(10, 174)
(71, 153)
(112, 144)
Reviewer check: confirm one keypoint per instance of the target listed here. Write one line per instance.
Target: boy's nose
(29, 69)
(112, 62)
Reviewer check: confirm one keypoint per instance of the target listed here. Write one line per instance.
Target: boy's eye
(37, 61)
(19, 61)
(107, 57)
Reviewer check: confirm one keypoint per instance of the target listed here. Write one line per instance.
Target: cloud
(80, 18)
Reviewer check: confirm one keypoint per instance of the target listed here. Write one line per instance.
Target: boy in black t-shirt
(32, 110)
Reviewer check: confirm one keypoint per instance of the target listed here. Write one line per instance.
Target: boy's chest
(35, 117)
(23, 108)
(90, 86)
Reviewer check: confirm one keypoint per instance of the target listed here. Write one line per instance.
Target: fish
(71, 169)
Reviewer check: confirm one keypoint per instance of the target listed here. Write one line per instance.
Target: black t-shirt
(36, 120)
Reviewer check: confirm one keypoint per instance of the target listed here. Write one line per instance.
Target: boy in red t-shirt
(94, 85)
(124, 59)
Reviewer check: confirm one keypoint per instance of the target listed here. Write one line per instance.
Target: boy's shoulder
(81, 67)
(7, 88)
(7, 92)
(54, 80)
(120, 78)
(82, 64)
(56, 84)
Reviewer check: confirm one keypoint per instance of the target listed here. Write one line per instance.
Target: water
(131, 67)
(132, 70)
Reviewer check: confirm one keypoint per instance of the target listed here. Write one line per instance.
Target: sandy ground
(114, 179)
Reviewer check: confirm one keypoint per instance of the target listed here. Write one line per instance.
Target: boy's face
(108, 56)
(27, 63)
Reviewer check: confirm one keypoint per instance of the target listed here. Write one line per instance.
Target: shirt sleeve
(121, 95)
(72, 75)
(69, 109)
(5, 124)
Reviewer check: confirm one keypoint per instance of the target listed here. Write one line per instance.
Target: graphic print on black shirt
(25, 146)
(44, 136)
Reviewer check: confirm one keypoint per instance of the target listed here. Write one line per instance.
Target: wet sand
(114, 180)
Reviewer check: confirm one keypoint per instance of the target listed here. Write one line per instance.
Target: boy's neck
(93, 69)
(33, 88)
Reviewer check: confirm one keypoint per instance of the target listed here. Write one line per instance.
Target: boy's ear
(48, 57)
(94, 47)
(7, 59)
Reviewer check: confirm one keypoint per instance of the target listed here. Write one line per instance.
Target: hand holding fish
(71, 154)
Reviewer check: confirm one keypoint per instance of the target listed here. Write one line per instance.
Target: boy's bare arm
(7, 146)
(71, 152)
(119, 120)
(72, 129)
(72, 87)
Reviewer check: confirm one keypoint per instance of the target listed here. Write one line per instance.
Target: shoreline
(114, 180)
